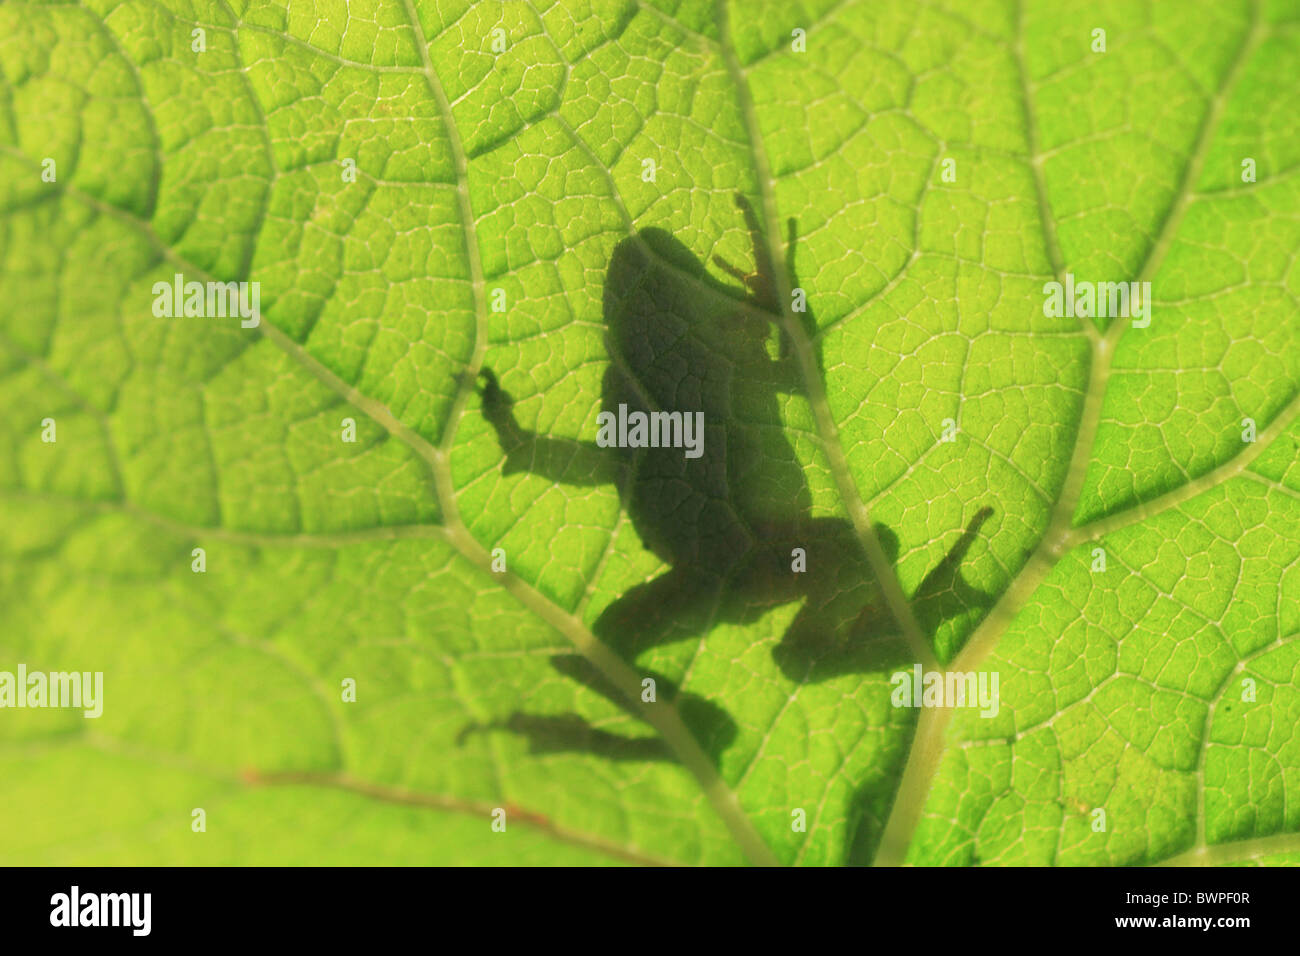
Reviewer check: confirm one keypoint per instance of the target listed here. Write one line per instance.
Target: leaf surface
(520, 177)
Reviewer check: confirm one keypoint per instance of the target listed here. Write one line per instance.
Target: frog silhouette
(735, 523)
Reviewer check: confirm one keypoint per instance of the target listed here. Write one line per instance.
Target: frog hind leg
(674, 606)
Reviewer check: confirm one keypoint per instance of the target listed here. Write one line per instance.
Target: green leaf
(510, 169)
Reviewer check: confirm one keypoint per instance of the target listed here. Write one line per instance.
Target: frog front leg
(761, 282)
(569, 461)
(764, 293)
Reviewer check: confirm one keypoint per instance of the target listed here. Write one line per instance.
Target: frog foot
(498, 405)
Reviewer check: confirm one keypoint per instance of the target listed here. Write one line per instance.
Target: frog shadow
(568, 732)
(734, 520)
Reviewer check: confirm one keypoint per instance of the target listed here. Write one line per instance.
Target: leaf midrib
(815, 389)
